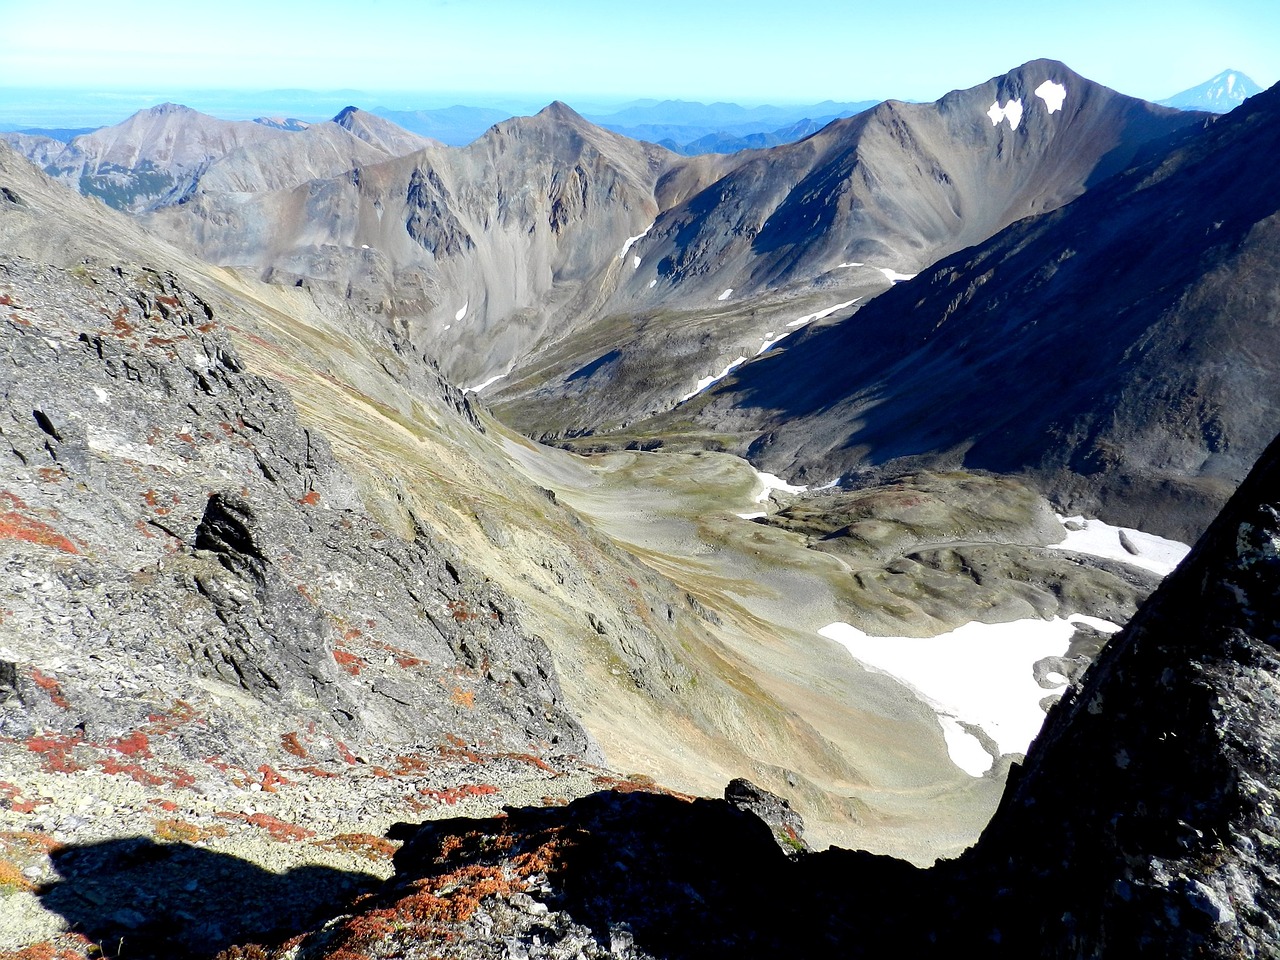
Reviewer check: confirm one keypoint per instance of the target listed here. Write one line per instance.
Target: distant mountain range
(1219, 94)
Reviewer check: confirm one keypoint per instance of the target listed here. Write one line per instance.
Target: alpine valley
(403, 542)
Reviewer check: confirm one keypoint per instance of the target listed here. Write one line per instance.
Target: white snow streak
(1103, 540)
(1011, 111)
(979, 674)
(716, 378)
(631, 241)
(772, 483)
(653, 283)
(894, 277)
(1053, 95)
(839, 265)
(810, 317)
(725, 295)
(480, 386)
(753, 516)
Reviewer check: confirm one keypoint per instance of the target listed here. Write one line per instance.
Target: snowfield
(1100, 539)
(1053, 95)
(1011, 111)
(978, 675)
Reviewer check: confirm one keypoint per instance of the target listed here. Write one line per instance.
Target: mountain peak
(343, 116)
(1223, 92)
(559, 110)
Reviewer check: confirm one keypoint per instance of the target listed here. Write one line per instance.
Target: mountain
(799, 231)
(448, 245)
(712, 256)
(381, 133)
(151, 156)
(1126, 337)
(158, 155)
(1219, 94)
(282, 123)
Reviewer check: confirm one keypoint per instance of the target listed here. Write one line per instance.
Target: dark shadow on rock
(681, 878)
(140, 899)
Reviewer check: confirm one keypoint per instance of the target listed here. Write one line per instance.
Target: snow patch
(725, 295)
(715, 378)
(364, 246)
(463, 312)
(631, 241)
(635, 262)
(893, 276)
(753, 516)
(480, 386)
(839, 265)
(979, 674)
(1053, 94)
(1100, 539)
(1011, 111)
(103, 396)
(772, 483)
(810, 317)
(653, 283)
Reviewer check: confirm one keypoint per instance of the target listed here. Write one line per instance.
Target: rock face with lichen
(172, 532)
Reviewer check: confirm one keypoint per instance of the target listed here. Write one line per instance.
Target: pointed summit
(1219, 94)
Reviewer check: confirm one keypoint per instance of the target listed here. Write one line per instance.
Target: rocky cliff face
(169, 507)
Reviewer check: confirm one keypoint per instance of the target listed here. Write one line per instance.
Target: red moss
(135, 744)
(367, 845)
(277, 828)
(348, 661)
(15, 525)
(451, 795)
(314, 771)
(133, 771)
(50, 686)
(11, 794)
(272, 779)
(56, 749)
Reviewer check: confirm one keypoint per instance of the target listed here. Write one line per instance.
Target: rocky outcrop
(169, 521)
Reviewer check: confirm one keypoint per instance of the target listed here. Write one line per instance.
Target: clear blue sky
(751, 51)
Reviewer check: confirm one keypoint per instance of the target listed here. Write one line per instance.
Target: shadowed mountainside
(1118, 350)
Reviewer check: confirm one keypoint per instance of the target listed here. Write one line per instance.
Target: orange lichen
(278, 829)
(272, 779)
(367, 845)
(348, 661)
(290, 743)
(15, 525)
(50, 686)
(462, 698)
